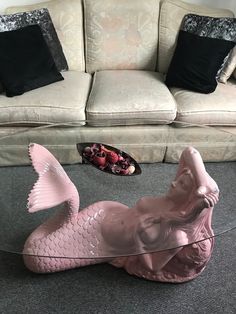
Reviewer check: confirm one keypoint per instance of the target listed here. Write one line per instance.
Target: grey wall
(8, 3)
(227, 4)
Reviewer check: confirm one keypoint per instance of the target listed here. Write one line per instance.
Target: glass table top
(98, 190)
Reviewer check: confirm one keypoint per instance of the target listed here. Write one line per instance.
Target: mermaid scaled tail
(71, 233)
(67, 240)
(53, 186)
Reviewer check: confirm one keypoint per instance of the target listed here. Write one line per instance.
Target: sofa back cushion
(67, 17)
(121, 34)
(171, 16)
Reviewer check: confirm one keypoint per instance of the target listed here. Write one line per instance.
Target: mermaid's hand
(148, 229)
(208, 197)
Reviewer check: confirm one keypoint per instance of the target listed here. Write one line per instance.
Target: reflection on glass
(112, 230)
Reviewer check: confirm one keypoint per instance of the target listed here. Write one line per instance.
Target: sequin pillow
(203, 44)
(214, 27)
(42, 18)
(196, 61)
(26, 62)
(228, 67)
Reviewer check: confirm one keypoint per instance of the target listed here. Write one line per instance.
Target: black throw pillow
(25, 61)
(196, 62)
(12, 22)
(214, 27)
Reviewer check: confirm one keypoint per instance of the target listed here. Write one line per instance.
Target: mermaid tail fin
(53, 186)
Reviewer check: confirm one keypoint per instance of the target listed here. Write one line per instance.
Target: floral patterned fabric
(121, 34)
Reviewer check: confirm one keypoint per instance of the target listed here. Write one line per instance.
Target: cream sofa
(118, 53)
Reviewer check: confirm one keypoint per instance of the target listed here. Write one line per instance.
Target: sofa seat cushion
(217, 108)
(128, 97)
(60, 102)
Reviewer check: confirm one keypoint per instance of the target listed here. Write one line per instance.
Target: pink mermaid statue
(162, 238)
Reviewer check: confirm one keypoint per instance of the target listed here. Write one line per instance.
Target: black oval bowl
(81, 147)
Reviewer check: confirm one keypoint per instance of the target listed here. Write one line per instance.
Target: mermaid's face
(181, 188)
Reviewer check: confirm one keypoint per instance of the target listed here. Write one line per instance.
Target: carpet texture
(103, 288)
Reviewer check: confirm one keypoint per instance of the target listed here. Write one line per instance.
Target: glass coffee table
(124, 192)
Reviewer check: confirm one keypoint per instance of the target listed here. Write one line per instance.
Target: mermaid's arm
(204, 201)
(192, 159)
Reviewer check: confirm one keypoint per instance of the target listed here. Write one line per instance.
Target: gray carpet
(103, 288)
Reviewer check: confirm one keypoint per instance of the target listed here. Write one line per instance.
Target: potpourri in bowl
(109, 159)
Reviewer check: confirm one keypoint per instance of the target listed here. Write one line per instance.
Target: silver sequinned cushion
(214, 27)
(41, 17)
